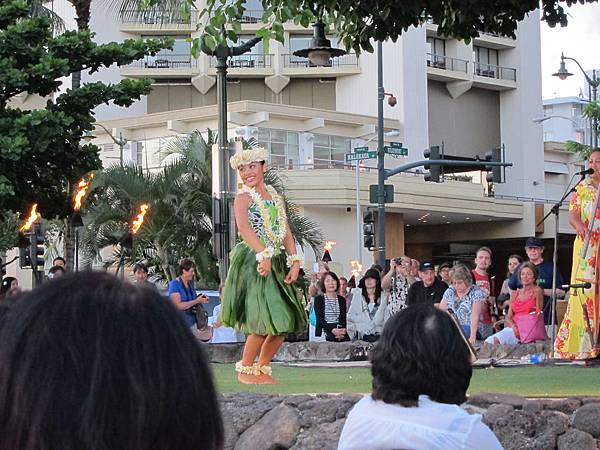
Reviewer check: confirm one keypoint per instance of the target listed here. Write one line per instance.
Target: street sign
(358, 156)
(361, 149)
(394, 150)
(396, 144)
(388, 193)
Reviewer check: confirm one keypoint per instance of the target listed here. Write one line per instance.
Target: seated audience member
(465, 299)
(9, 287)
(59, 261)
(367, 311)
(345, 291)
(56, 272)
(444, 272)
(140, 273)
(421, 371)
(220, 333)
(330, 310)
(524, 321)
(503, 299)
(89, 362)
(481, 277)
(429, 290)
(414, 269)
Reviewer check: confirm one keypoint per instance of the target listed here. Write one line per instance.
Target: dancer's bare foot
(266, 379)
(246, 378)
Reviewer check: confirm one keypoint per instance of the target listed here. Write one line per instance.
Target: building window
(486, 56)
(436, 46)
(329, 151)
(548, 109)
(180, 56)
(283, 147)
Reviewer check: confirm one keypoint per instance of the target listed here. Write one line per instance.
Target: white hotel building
(467, 97)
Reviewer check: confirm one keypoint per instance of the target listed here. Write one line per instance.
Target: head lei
(248, 156)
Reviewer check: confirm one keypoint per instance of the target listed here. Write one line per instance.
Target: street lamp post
(221, 219)
(593, 82)
(120, 141)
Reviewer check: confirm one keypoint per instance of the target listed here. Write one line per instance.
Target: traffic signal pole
(443, 162)
(380, 160)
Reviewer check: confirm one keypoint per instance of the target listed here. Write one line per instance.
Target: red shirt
(483, 281)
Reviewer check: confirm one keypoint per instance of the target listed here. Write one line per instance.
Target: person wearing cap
(429, 289)
(444, 272)
(368, 308)
(260, 297)
(534, 247)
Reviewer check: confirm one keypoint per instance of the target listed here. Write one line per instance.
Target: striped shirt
(332, 310)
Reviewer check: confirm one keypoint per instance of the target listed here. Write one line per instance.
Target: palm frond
(38, 8)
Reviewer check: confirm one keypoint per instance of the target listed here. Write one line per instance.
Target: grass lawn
(529, 381)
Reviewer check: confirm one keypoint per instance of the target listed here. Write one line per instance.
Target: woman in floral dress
(259, 298)
(578, 334)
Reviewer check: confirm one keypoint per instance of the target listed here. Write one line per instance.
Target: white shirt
(222, 334)
(375, 425)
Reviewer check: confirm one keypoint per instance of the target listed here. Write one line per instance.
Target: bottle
(537, 358)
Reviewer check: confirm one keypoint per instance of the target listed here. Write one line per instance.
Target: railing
(247, 61)
(252, 16)
(169, 61)
(293, 61)
(153, 17)
(492, 71)
(447, 63)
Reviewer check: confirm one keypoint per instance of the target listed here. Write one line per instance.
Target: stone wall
(300, 422)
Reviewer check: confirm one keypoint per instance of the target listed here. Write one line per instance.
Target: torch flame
(83, 186)
(356, 268)
(139, 220)
(33, 216)
(329, 245)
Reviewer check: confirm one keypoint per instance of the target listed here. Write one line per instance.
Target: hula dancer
(259, 298)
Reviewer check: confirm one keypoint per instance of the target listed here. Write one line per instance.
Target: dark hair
(531, 266)
(377, 267)
(421, 352)
(518, 258)
(59, 258)
(55, 269)
(322, 281)
(371, 273)
(140, 267)
(5, 286)
(185, 264)
(92, 362)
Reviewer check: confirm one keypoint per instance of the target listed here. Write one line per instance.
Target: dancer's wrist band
(291, 259)
(267, 253)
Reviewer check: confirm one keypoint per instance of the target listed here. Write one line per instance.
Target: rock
(224, 353)
(516, 430)
(587, 418)
(244, 409)
(497, 411)
(324, 436)
(321, 410)
(535, 405)
(552, 422)
(587, 400)
(276, 429)
(576, 440)
(473, 409)
(485, 400)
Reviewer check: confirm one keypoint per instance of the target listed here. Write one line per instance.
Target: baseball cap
(425, 265)
(534, 242)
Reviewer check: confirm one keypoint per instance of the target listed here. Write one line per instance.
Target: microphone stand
(556, 211)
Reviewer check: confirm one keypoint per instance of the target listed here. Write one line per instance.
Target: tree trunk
(69, 245)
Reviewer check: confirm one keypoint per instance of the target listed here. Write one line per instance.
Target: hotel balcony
(447, 69)
(495, 41)
(298, 67)
(494, 77)
(162, 66)
(247, 65)
(154, 22)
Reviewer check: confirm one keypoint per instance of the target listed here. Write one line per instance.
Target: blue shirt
(188, 294)
(464, 307)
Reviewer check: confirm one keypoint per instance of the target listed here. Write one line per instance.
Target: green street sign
(395, 151)
(359, 156)
(396, 144)
(388, 190)
(361, 149)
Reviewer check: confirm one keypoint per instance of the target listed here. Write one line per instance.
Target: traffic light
(36, 247)
(23, 244)
(369, 229)
(432, 152)
(495, 172)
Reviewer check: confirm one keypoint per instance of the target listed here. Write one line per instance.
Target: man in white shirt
(421, 372)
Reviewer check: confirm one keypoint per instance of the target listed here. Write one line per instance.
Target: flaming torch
(82, 188)
(356, 269)
(328, 247)
(139, 219)
(33, 217)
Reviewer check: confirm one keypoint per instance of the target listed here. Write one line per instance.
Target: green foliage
(40, 152)
(9, 224)
(590, 111)
(583, 150)
(359, 22)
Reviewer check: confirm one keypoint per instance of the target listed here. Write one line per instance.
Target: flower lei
(274, 239)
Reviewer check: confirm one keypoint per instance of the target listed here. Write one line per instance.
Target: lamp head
(320, 51)
(562, 73)
(88, 136)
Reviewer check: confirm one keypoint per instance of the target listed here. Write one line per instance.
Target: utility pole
(380, 159)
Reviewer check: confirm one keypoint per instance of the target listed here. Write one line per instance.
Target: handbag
(201, 317)
(531, 327)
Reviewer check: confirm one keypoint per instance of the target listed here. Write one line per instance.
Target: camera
(392, 101)
(398, 261)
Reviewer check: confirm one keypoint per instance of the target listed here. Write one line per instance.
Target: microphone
(586, 172)
(577, 286)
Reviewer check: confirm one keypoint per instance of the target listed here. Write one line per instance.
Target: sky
(580, 40)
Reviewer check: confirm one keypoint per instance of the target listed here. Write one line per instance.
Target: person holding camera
(397, 283)
(182, 292)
